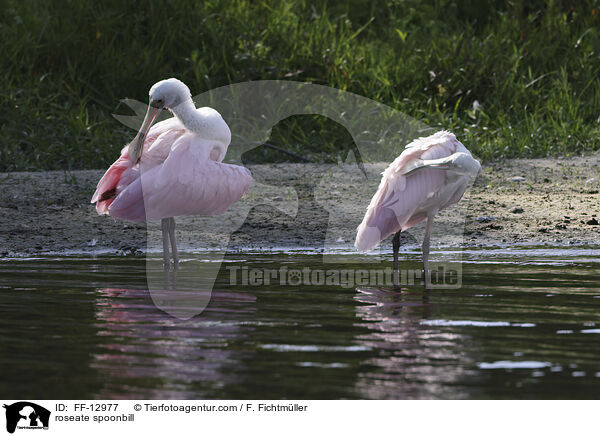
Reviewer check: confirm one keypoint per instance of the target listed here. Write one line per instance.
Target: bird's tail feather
(107, 186)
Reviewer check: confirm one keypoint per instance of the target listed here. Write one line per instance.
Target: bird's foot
(426, 280)
(396, 279)
(168, 265)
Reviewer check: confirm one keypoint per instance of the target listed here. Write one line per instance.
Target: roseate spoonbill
(174, 167)
(431, 174)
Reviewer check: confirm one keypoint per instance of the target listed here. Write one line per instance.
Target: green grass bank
(509, 78)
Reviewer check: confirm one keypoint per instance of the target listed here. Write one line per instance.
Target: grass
(509, 79)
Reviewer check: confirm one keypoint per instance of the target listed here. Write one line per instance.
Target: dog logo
(26, 415)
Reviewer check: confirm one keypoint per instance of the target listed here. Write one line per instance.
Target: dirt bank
(527, 202)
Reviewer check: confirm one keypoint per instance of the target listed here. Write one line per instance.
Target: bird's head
(169, 94)
(465, 164)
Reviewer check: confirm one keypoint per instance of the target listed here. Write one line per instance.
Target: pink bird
(174, 167)
(431, 174)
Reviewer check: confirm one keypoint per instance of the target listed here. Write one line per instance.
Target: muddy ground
(317, 207)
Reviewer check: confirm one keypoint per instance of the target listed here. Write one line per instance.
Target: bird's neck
(189, 116)
(208, 125)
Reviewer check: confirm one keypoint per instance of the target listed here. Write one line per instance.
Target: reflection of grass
(509, 80)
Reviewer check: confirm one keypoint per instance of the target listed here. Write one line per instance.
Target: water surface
(525, 324)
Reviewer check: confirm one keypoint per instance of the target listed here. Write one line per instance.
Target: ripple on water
(323, 365)
(510, 364)
(464, 322)
(313, 348)
(471, 323)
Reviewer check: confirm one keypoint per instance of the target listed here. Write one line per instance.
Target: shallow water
(525, 324)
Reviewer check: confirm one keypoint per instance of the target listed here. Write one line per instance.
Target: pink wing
(162, 192)
(123, 172)
(398, 203)
(175, 177)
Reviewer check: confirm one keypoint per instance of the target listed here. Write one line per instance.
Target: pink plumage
(186, 182)
(179, 173)
(403, 201)
(174, 167)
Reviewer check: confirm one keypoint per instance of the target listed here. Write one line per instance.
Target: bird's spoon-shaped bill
(455, 162)
(136, 146)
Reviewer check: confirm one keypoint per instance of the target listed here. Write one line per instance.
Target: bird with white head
(173, 167)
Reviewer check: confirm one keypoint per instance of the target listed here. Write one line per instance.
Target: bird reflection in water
(415, 361)
(394, 303)
(147, 352)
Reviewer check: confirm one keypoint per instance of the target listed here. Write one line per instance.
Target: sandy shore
(524, 202)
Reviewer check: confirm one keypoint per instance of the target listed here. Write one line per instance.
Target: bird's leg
(426, 240)
(173, 242)
(164, 225)
(396, 248)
